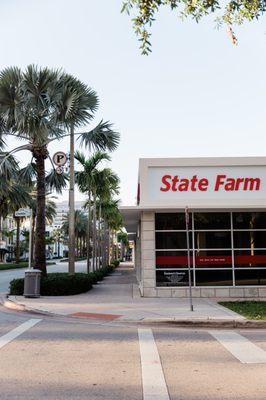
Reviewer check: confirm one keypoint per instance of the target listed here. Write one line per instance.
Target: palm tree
(122, 238)
(13, 194)
(40, 106)
(81, 223)
(113, 223)
(86, 180)
(107, 186)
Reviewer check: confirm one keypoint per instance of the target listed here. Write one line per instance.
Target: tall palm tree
(81, 223)
(113, 223)
(86, 180)
(40, 106)
(107, 187)
(14, 194)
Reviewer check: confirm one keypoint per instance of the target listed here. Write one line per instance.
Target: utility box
(32, 283)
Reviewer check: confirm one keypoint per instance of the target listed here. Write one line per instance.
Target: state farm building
(226, 201)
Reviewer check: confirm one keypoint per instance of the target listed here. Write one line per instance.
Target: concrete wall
(148, 254)
(232, 292)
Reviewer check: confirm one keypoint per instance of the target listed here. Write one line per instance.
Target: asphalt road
(61, 358)
(7, 275)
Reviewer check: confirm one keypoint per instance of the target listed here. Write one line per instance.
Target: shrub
(16, 287)
(62, 284)
(57, 284)
(116, 263)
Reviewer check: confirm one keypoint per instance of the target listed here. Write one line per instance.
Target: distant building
(59, 248)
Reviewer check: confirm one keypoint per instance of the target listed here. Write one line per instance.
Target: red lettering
(184, 185)
(238, 182)
(174, 182)
(165, 182)
(194, 180)
(219, 182)
(203, 184)
(252, 184)
(230, 184)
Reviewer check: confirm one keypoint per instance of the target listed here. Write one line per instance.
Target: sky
(196, 94)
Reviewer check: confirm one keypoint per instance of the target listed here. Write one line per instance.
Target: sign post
(188, 258)
(26, 212)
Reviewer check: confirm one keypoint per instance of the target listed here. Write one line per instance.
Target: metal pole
(188, 259)
(30, 239)
(71, 232)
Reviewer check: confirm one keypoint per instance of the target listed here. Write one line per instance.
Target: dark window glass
(172, 278)
(212, 240)
(172, 240)
(172, 259)
(249, 259)
(255, 277)
(212, 258)
(249, 220)
(249, 239)
(214, 278)
(212, 221)
(171, 221)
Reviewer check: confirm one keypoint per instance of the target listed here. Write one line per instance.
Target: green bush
(57, 284)
(62, 284)
(16, 287)
(116, 263)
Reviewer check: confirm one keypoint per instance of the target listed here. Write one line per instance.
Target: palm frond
(56, 182)
(102, 137)
(28, 174)
(8, 166)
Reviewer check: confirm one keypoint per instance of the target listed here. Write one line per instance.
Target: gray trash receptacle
(32, 282)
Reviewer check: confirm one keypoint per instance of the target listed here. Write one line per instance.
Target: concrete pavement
(117, 297)
(66, 359)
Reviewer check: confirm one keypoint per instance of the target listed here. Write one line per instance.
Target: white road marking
(240, 347)
(8, 337)
(153, 381)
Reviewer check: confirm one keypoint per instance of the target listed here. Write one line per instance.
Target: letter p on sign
(60, 158)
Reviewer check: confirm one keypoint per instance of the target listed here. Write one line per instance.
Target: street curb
(209, 323)
(12, 305)
(206, 323)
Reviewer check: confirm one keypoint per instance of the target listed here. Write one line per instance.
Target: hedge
(63, 284)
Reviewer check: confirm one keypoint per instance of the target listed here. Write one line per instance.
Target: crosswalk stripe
(8, 337)
(240, 347)
(153, 381)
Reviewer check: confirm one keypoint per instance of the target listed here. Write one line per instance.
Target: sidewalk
(118, 298)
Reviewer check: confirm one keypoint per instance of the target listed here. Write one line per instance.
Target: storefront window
(212, 221)
(171, 240)
(170, 221)
(172, 259)
(255, 277)
(249, 239)
(213, 240)
(249, 220)
(225, 248)
(214, 277)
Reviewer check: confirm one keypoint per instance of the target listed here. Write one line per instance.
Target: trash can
(32, 283)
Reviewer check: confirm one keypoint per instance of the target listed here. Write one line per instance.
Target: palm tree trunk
(40, 154)
(18, 241)
(94, 232)
(32, 241)
(88, 236)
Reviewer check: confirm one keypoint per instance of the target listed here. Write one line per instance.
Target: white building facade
(226, 200)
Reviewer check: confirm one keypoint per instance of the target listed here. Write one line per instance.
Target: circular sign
(59, 170)
(60, 158)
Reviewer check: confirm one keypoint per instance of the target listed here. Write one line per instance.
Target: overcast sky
(195, 95)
